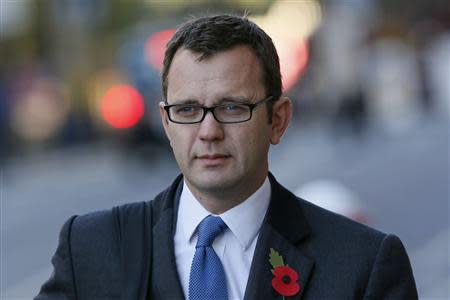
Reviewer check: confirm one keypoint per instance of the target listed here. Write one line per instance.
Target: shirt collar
(243, 220)
(190, 213)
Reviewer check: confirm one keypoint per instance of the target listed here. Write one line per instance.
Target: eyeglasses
(225, 113)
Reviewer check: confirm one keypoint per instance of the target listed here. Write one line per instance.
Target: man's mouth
(212, 156)
(213, 159)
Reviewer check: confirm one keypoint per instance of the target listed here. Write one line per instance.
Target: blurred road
(402, 181)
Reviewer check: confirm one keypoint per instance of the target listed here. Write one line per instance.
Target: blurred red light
(293, 60)
(156, 46)
(122, 106)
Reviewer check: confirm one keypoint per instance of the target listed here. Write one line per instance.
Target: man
(225, 229)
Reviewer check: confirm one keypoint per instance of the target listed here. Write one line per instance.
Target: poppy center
(286, 279)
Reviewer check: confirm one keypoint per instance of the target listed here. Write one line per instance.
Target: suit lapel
(283, 230)
(165, 281)
(133, 224)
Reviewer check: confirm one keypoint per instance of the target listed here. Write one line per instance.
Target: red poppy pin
(285, 278)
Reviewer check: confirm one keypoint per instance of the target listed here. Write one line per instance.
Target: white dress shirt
(235, 246)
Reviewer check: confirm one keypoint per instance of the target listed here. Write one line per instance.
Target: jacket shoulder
(370, 262)
(340, 232)
(95, 254)
(97, 243)
(103, 229)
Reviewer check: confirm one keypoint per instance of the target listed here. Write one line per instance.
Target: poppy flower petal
(288, 287)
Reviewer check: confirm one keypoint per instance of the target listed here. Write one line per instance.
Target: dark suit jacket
(128, 253)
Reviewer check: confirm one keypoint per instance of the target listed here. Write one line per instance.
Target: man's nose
(210, 128)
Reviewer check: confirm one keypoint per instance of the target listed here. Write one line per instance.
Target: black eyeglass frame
(211, 109)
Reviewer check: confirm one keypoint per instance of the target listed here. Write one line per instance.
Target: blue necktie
(207, 279)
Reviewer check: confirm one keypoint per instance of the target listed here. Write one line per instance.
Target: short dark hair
(213, 34)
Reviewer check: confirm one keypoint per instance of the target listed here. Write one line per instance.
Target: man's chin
(213, 182)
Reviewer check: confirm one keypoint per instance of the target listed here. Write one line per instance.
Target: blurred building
(364, 63)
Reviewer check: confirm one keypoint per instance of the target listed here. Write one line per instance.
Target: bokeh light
(40, 110)
(291, 24)
(155, 47)
(122, 106)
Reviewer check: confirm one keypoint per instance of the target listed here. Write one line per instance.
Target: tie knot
(208, 229)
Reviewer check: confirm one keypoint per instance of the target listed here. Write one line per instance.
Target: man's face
(215, 157)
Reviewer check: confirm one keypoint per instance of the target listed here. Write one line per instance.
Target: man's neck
(218, 202)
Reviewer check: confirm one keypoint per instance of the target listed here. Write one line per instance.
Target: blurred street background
(80, 128)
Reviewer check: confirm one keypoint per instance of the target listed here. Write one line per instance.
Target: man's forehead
(237, 63)
(232, 73)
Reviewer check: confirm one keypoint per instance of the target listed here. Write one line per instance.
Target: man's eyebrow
(234, 99)
(184, 101)
(225, 99)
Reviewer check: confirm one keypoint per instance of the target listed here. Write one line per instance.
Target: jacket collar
(165, 283)
(284, 229)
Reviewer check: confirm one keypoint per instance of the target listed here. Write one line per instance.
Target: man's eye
(234, 108)
(231, 107)
(186, 109)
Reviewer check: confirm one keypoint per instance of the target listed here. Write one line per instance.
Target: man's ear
(281, 116)
(164, 119)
